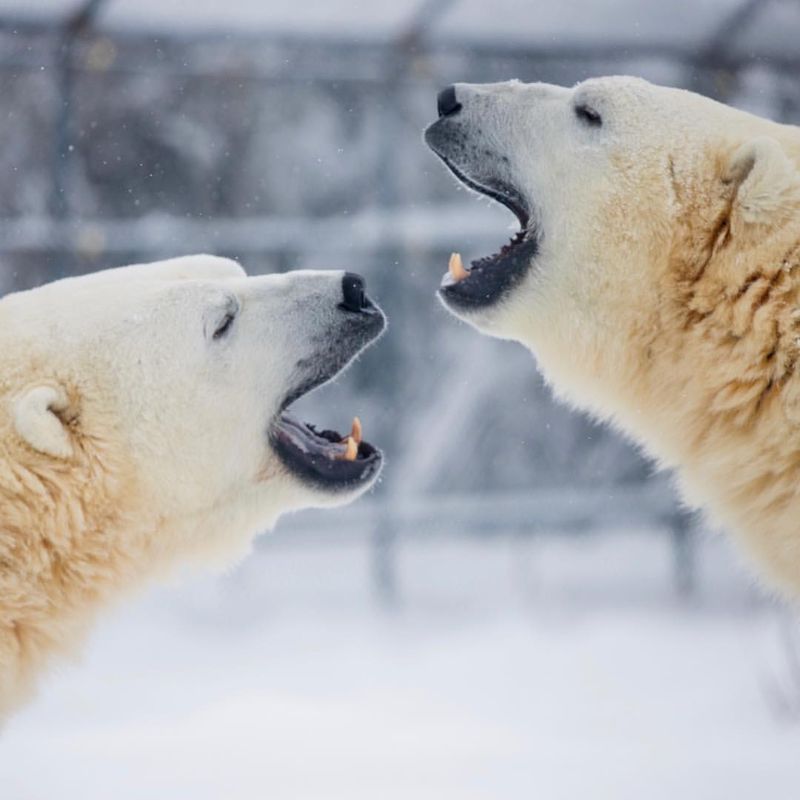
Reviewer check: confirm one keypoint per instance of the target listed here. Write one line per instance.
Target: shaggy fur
(133, 441)
(666, 293)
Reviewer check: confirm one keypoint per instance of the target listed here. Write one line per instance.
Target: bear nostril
(353, 296)
(446, 102)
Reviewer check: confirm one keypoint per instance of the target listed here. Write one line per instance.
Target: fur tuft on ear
(37, 421)
(766, 182)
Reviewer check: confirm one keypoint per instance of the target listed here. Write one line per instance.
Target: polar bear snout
(474, 136)
(355, 323)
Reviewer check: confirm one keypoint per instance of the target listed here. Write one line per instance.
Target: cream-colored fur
(132, 439)
(665, 296)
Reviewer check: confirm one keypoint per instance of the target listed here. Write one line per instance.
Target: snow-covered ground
(509, 668)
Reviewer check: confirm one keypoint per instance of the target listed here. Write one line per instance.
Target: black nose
(353, 296)
(446, 102)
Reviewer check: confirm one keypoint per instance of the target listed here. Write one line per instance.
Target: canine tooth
(352, 449)
(456, 268)
(355, 433)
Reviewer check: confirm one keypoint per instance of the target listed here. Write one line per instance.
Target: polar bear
(144, 422)
(655, 277)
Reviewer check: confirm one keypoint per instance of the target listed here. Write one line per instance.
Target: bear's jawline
(316, 457)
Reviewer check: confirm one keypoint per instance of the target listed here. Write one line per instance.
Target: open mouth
(325, 458)
(491, 278)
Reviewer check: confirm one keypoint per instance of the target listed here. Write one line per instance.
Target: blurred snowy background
(520, 609)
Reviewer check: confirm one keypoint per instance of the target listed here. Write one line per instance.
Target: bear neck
(66, 545)
(722, 382)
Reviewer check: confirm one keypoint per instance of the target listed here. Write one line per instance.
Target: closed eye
(225, 325)
(585, 113)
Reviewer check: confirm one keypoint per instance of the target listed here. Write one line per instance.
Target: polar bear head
(625, 193)
(160, 392)
(655, 275)
(144, 423)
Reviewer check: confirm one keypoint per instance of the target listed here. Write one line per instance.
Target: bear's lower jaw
(325, 460)
(491, 279)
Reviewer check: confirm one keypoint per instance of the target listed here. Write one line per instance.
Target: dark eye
(224, 325)
(588, 115)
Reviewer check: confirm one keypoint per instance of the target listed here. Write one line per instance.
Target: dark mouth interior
(319, 457)
(491, 277)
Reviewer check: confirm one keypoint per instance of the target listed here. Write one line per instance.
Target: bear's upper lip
(497, 189)
(491, 278)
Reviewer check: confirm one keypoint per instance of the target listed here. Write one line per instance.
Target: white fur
(133, 439)
(664, 296)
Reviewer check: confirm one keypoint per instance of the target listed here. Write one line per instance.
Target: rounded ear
(765, 181)
(37, 419)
